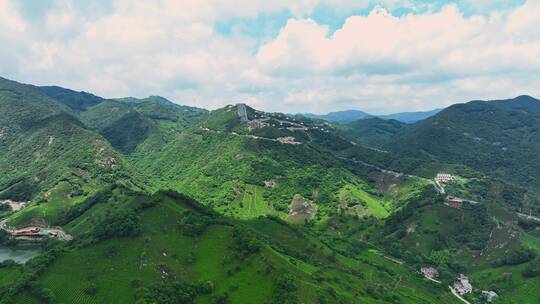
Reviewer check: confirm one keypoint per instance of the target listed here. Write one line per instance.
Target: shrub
(519, 256)
(119, 222)
(245, 243)
(168, 292)
(90, 289)
(285, 290)
(193, 224)
(533, 270)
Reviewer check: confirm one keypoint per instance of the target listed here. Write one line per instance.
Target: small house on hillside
(462, 285)
(454, 202)
(429, 272)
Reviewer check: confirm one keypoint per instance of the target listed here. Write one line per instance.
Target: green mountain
(341, 116)
(373, 132)
(42, 143)
(174, 204)
(77, 101)
(499, 138)
(349, 116)
(410, 117)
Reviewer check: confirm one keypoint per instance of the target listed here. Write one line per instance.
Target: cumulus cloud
(377, 61)
(410, 58)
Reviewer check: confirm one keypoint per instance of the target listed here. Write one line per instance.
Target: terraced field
(251, 204)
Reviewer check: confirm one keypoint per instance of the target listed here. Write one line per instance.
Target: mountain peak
(527, 98)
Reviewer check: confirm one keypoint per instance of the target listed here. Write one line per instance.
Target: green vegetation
(169, 203)
(498, 138)
(251, 203)
(224, 261)
(373, 132)
(531, 242)
(357, 198)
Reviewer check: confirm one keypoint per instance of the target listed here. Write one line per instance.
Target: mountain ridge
(348, 116)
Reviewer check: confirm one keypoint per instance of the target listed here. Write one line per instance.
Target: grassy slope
(355, 195)
(509, 283)
(374, 132)
(251, 204)
(115, 268)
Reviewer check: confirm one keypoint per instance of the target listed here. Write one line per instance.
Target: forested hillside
(147, 201)
(499, 138)
(42, 143)
(373, 132)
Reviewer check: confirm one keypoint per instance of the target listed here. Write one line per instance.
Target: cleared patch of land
(365, 203)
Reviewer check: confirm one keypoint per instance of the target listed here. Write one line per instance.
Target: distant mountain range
(347, 116)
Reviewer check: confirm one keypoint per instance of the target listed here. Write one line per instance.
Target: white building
(445, 177)
(462, 285)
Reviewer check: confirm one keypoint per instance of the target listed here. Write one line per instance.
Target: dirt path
(458, 296)
(431, 279)
(392, 259)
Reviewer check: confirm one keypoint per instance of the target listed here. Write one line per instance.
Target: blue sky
(264, 25)
(292, 56)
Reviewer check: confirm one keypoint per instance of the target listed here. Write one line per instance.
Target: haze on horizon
(315, 56)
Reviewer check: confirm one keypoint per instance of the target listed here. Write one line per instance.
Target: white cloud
(9, 19)
(382, 43)
(377, 62)
(426, 52)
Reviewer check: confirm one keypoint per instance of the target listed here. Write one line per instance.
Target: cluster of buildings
(258, 123)
(445, 177)
(461, 286)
